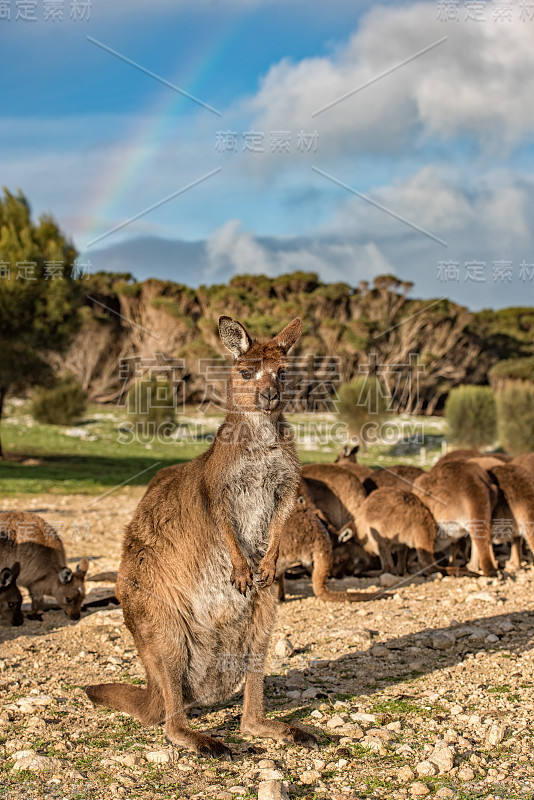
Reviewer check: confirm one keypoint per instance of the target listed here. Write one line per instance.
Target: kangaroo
(347, 458)
(200, 554)
(513, 516)
(465, 454)
(399, 476)
(461, 497)
(28, 539)
(526, 460)
(392, 520)
(306, 541)
(339, 494)
(10, 596)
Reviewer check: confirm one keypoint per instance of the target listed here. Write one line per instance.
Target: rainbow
(159, 121)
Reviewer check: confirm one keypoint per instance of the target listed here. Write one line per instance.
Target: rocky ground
(427, 692)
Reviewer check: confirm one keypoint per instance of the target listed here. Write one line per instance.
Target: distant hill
(376, 328)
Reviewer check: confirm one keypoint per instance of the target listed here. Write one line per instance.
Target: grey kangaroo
(27, 538)
(10, 596)
(200, 555)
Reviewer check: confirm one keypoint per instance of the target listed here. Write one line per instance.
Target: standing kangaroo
(201, 551)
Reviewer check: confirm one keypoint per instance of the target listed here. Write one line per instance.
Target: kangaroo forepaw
(266, 573)
(300, 737)
(241, 578)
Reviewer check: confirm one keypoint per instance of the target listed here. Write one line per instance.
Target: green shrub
(150, 404)
(521, 369)
(61, 404)
(363, 405)
(471, 415)
(515, 410)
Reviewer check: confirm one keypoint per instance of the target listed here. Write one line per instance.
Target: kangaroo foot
(201, 743)
(272, 729)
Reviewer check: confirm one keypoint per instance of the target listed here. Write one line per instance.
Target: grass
(108, 455)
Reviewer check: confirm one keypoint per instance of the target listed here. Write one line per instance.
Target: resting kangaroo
(27, 538)
(200, 555)
(10, 596)
(306, 541)
(392, 520)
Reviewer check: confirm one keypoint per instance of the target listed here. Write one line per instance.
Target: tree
(39, 296)
(471, 415)
(364, 405)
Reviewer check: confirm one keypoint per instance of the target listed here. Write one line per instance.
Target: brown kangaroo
(515, 506)
(28, 539)
(526, 460)
(392, 520)
(200, 554)
(10, 596)
(347, 458)
(339, 494)
(461, 498)
(306, 541)
(399, 476)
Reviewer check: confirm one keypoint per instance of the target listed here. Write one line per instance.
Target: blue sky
(443, 143)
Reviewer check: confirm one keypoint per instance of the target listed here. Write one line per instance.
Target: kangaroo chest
(256, 486)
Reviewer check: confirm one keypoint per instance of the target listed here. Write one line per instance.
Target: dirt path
(427, 692)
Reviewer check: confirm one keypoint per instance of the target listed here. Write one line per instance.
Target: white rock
(443, 640)
(284, 648)
(426, 769)
(456, 709)
(294, 694)
(237, 790)
(335, 722)
(442, 756)
(395, 726)
(491, 638)
(482, 597)
(445, 793)
(310, 776)
(387, 579)
(495, 735)
(405, 774)
(419, 789)
(158, 756)
(309, 694)
(33, 762)
(361, 716)
(271, 775)
(272, 790)
(466, 774)
(374, 744)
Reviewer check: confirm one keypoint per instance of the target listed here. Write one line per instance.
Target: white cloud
(479, 82)
(233, 250)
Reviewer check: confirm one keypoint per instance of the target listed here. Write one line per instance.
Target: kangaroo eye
(11, 604)
(69, 599)
(282, 375)
(246, 374)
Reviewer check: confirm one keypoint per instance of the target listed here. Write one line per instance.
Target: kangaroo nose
(269, 398)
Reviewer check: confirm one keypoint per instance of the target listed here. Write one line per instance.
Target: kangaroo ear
(290, 335)
(354, 450)
(6, 578)
(345, 535)
(65, 575)
(15, 570)
(234, 336)
(82, 567)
